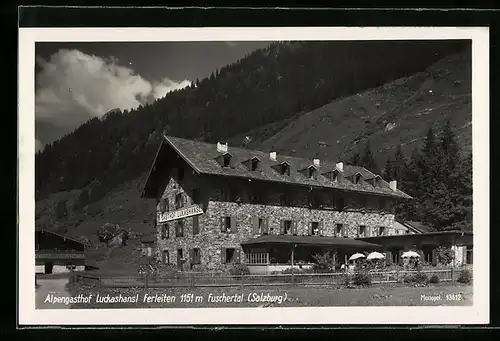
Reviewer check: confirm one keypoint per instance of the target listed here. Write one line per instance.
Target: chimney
(272, 156)
(222, 147)
(394, 185)
(340, 166)
(316, 162)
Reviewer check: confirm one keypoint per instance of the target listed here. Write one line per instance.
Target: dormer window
(254, 164)
(310, 172)
(357, 178)
(226, 160)
(285, 169)
(335, 175)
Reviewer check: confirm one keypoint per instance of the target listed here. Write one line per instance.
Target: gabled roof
(42, 230)
(201, 157)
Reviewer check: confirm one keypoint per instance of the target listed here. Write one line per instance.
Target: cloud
(73, 86)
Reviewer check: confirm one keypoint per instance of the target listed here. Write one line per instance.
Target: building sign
(61, 255)
(179, 214)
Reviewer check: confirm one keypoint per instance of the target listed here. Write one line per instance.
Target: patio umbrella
(410, 254)
(375, 255)
(356, 256)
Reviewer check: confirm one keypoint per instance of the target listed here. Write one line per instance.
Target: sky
(79, 81)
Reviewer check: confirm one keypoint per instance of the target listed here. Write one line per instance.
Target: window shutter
(237, 256)
(294, 228)
(265, 226)
(191, 256)
(223, 224)
(388, 257)
(223, 255)
(255, 225)
(196, 224)
(282, 227)
(233, 225)
(310, 229)
(321, 228)
(434, 257)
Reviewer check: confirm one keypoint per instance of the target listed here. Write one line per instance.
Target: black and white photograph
(217, 175)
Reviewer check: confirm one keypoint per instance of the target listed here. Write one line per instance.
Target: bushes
(361, 278)
(239, 270)
(465, 277)
(434, 279)
(418, 278)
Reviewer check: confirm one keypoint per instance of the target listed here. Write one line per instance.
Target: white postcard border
(478, 313)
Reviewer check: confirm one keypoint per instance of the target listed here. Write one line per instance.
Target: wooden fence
(221, 280)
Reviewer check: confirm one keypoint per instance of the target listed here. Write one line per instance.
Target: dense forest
(438, 175)
(269, 85)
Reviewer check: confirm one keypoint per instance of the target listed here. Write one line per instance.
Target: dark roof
(434, 233)
(311, 240)
(202, 156)
(419, 227)
(40, 229)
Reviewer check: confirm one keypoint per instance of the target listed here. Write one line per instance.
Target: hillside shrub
(465, 277)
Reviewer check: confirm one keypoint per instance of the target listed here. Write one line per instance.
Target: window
(196, 225)
(196, 196)
(381, 230)
(228, 224)
(195, 256)
(179, 228)
(164, 207)
(311, 172)
(230, 253)
(226, 160)
(427, 253)
(469, 254)
(254, 164)
(335, 176)
(257, 258)
(395, 256)
(286, 227)
(179, 200)
(165, 257)
(164, 231)
(315, 228)
(362, 231)
(339, 203)
(260, 225)
(357, 178)
(285, 169)
(339, 230)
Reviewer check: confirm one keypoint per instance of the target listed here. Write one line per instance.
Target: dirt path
(51, 286)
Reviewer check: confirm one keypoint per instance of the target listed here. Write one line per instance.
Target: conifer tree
(368, 160)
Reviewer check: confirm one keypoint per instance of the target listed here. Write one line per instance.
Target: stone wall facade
(243, 208)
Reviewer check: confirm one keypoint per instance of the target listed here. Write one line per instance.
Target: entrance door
(48, 268)
(179, 259)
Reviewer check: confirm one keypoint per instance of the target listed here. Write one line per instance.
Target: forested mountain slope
(268, 86)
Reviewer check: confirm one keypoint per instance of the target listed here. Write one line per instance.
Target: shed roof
(312, 241)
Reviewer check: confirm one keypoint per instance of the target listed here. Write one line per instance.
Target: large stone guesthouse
(218, 205)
